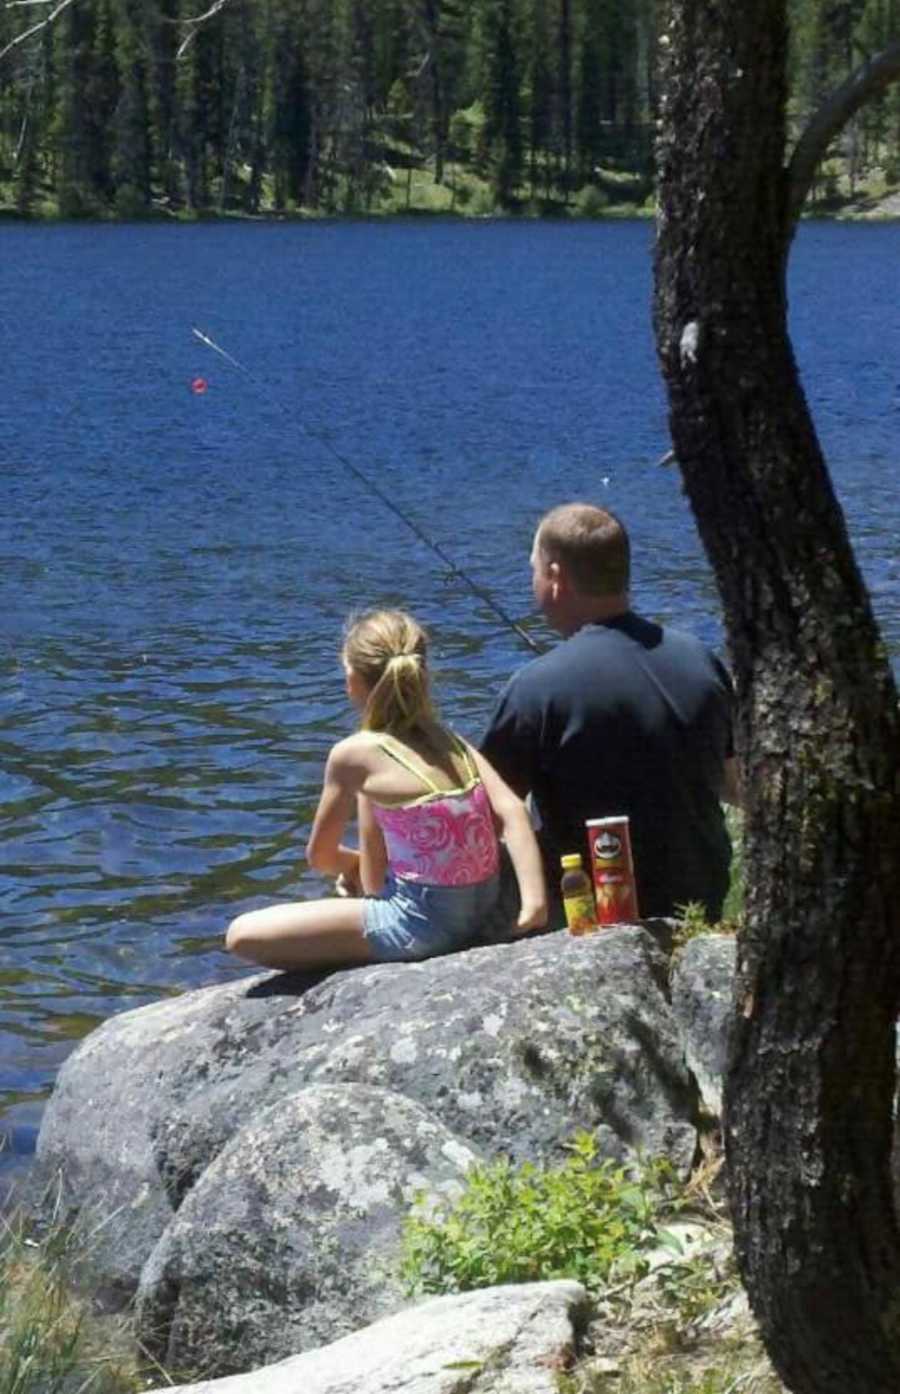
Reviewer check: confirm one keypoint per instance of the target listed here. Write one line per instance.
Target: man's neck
(593, 609)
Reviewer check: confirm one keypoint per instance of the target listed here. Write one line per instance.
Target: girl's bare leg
(314, 934)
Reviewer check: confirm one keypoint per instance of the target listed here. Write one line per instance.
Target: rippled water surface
(176, 566)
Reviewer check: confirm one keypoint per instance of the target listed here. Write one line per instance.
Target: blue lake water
(176, 566)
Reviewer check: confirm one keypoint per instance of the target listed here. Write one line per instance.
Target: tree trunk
(431, 18)
(565, 91)
(809, 1090)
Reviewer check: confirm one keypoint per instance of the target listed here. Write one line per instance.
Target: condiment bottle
(577, 895)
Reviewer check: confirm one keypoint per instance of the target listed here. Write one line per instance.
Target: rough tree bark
(809, 1091)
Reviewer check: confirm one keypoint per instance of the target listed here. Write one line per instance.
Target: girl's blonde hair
(389, 651)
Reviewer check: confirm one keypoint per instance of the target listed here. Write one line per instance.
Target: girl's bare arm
(521, 844)
(345, 773)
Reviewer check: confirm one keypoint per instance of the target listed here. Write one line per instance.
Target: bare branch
(861, 86)
(35, 28)
(195, 23)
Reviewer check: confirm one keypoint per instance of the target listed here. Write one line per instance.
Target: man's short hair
(591, 543)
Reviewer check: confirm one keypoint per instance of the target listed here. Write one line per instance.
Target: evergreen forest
(140, 108)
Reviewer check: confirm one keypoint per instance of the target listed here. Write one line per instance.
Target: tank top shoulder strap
(463, 751)
(398, 753)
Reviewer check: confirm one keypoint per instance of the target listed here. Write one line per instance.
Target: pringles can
(612, 869)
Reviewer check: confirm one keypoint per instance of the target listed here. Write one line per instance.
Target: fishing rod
(370, 484)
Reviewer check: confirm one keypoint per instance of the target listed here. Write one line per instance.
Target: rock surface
(702, 977)
(511, 1047)
(505, 1049)
(291, 1237)
(506, 1340)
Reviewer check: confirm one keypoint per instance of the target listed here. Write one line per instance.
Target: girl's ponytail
(389, 651)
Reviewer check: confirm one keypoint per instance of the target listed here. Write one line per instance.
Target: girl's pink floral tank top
(445, 838)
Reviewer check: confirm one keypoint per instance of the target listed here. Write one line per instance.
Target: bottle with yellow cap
(577, 895)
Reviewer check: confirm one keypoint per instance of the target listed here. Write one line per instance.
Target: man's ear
(557, 577)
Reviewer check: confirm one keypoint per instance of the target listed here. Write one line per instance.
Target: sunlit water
(176, 567)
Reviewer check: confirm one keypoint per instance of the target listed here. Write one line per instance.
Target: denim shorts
(410, 921)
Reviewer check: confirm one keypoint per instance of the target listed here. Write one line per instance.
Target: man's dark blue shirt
(625, 717)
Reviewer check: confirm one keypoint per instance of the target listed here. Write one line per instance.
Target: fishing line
(370, 484)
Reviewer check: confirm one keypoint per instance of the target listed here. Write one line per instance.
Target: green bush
(131, 203)
(581, 1220)
(591, 202)
(482, 204)
(76, 201)
(466, 126)
(692, 922)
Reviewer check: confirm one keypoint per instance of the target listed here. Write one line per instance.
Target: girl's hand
(348, 884)
(532, 917)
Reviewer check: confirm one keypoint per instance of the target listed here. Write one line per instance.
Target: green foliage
(692, 918)
(130, 203)
(692, 922)
(582, 1219)
(299, 104)
(591, 202)
(734, 899)
(482, 203)
(690, 1285)
(672, 1336)
(739, 1372)
(466, 128)
(503, 118)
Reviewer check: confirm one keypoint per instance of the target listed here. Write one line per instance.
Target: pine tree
(131, 157)
(289, 125)
(502, 107)
(326, 30)
(25, 162)
(77, 134)
(162, 78)
(313, 102)
(240, 82)
(442, 28)
(590, 89)
(26, 96)
(391, 37)
(540, 96)
(564, 89)
(194, 80)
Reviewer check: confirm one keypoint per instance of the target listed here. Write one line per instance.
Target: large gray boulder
(509, 1049)
(702, 983)
(504, 1340)
(291, 1237)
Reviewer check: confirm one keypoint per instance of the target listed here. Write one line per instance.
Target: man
(623, 717)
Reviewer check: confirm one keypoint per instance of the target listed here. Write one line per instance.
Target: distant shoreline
(885, 210)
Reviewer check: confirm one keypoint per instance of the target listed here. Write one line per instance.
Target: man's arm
(510, 742)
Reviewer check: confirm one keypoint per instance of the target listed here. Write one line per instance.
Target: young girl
(428, 806)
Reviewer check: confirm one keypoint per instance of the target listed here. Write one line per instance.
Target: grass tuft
(50, 1343)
